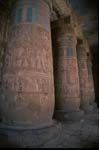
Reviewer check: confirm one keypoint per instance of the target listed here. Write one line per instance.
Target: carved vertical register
(27, 95)
(66, 71)
(91, 85)
(83, 75)
(86, 79)
(91, 82)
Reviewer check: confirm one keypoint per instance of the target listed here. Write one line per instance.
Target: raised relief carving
(27, 84)
(44, 100)
(67, 40)
(25, 58)
(27, 76)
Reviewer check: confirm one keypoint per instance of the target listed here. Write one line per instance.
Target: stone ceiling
(88, 10)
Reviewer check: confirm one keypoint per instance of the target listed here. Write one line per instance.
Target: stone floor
(82, 134)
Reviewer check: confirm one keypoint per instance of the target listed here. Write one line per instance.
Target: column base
(22, 137)
(69, 116)
(90, 109)
(95, 108)
(94, 105)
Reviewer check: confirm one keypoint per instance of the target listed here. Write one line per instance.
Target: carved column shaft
(92, 102)
(91, 81)
(66, 69)
(83, 75)
(27, 95)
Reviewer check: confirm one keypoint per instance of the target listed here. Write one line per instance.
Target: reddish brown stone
(83, 76)
(27, 95)
(91, 81)
(86, 80)
(66, 69)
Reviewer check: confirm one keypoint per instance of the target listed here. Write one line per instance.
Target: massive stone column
(83, 76)
(27, 86)
(66, 71)
(91, 83)
(27, 94)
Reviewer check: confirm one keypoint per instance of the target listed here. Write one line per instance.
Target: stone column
(27, 94)
(83, 76)
(66, 71)
(91, 83)
(3, 38)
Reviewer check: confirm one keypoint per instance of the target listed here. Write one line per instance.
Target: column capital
(64, 24)
(49, 2)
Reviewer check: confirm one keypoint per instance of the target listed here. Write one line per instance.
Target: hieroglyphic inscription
(31, 55)
(67, 40)
(66, 90)
(66, 69)
(37, 13)
(83, 74)
(26, 84)
(27, 59)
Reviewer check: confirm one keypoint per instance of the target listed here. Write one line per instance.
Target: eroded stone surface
(83, 75)
(66, 67)
(91, 82)
(83, 134)
(27, 94)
